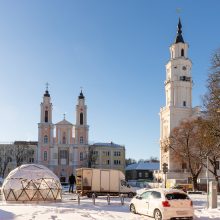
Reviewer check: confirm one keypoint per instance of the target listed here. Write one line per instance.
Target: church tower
(178, 92)
(81, 127)
(45, 130)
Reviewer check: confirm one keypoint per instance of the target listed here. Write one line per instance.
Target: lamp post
(207, 179)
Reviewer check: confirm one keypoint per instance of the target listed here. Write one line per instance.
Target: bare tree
(212, 108)
(92, 157)
(183, 142)
(5, 158)
(22, 152)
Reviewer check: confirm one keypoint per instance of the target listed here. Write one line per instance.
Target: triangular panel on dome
(50, 195)
(23, 197)
(30, 192)
(31, 185)
(37, 196)
(43, 184)
(44, 193)
(17, 193)
(10, 196)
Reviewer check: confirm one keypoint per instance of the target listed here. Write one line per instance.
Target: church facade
(68, 148)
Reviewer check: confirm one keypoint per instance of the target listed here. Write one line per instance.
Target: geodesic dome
(31, 182)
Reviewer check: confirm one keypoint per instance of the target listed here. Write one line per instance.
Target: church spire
(47, 94)
(81, 96)
(179, 37)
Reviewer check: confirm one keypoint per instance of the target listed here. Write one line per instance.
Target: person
(72, 181)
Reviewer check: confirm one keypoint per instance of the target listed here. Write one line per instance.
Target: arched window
(81, 140)
(45, 139)
(45, 155)
(64, 140)
(46, 116)
(81, 118)
(184, 103)
(182, 52)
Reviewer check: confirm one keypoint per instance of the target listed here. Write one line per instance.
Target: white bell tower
(178, 92)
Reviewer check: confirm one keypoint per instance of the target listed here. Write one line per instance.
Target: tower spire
(179, 37)
(47, 92)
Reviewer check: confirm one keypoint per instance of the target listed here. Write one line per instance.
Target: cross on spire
(47, 84)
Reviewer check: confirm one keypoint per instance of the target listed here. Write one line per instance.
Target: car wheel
(157, 215)
(130, 195)
(132, 208)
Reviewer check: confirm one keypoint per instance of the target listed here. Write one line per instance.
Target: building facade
(107, 156)
(15, 154)
(63, 146)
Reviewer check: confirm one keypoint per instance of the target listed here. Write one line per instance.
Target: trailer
(102, 182)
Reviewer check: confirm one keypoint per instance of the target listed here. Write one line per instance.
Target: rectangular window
(217, 165)
(117, 153)
(63, 154)
(105, 153)
(95, 152)
(108, 162)
(117, 162)
(81, 140)
(81, 156)
(45, 155)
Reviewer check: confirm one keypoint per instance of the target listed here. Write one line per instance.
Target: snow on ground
(69, 209)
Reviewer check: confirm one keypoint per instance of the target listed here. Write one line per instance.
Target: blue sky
(116, 50)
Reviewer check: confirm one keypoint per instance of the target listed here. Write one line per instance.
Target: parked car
(163, 204)
(184, 187)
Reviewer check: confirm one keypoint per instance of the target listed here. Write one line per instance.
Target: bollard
(108, 199)
(93, 198)
(122, 199)
(78, 198)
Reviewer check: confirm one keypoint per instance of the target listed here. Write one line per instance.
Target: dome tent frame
(32, 183)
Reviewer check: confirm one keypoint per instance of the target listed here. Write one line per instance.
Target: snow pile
(31, 182)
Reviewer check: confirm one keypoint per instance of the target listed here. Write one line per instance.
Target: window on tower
(64, 139)
(45, 155)
(182, 52)
(81, 118)
(46, 116)
(81, 140)
(45, 139)
(81, 156)
(184, 103)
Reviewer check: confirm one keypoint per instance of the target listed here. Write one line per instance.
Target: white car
(163, 204)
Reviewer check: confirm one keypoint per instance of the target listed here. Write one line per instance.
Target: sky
(115, 50)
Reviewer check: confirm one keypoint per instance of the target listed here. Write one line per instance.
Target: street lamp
(207, 179)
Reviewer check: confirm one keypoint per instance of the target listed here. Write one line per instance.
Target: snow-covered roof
(143, 166)
(111, 144)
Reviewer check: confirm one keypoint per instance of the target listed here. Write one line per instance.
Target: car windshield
(171, 196)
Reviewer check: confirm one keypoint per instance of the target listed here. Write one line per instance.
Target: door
(144, 202)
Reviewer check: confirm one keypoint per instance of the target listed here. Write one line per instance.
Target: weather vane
(178, 10)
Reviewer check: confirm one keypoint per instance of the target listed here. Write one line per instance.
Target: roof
(144, 166)
(64, 122)
(111, 144)
(179, 37)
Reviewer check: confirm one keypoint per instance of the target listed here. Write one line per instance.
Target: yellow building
(107, 156)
